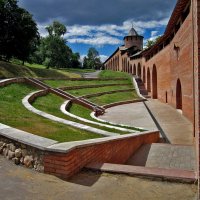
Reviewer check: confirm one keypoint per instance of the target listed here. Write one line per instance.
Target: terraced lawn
(14, 114)
(112, 98)
(113, 74)
(85, 91)
(62, 83)
(51, 104)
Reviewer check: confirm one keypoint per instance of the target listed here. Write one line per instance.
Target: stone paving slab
(165, 156)
(134, 114)
(177, 128)
(166, 174)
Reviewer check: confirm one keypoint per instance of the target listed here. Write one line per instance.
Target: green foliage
(56, 29)
(75, 60)
(150, 43)
(53, 51)
(92, 60)
(18, 31)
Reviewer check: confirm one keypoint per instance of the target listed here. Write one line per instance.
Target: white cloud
(107, 34)
(103, 58)
(154, 33)
(96, 41)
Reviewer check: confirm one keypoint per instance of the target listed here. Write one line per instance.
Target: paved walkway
(19, 183)
(177, 128)
(91, 74)
(164, 156)
(134, 114)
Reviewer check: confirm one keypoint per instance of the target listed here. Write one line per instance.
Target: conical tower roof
(132, 32)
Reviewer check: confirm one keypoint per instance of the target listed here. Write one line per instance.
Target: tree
(92, 60)
(56, 29)
(150, 43)
(52, 50)
(75, 60)
(18, 31)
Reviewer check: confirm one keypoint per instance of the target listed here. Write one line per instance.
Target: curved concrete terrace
(64, 108)
(26, 102)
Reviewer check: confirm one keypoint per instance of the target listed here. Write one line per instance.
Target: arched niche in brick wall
(134, 69)
(148, 80)
(178, 95)
(139, 70)
(154, 83)
(144, 74)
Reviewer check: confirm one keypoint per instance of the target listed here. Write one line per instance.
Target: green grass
(14, 114)
(51, 104)
(42, 71)
(113, 74)
(112, 98)
(62, 83)
(10, 70)
(80, 111)
(85, 91)
(77, 70)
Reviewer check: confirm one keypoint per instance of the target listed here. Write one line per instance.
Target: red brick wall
(196, 31)
(170, 68)
(113, 151)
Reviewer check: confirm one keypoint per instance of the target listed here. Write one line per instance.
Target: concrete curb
(25, 137)
(66, 104)
(69, 146)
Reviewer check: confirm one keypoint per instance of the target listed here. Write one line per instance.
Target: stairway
(142, 88)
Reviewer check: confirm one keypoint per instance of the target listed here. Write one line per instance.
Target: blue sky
(101, 24)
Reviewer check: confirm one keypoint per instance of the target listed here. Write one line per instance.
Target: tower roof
(132, 32)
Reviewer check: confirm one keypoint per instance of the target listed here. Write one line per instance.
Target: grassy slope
(62, 83)
(113, 74)
(9, 70)
(14, 114)
(112, 98)
(85, 91)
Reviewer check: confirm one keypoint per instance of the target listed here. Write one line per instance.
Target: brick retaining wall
(116, 151)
